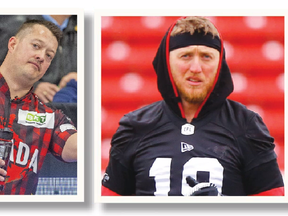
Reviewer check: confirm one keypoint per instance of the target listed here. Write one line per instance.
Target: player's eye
(207, 56)
(185, 56)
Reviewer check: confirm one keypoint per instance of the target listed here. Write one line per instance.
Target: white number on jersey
(161, 169)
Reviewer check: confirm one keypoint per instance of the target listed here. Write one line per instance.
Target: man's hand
(201, 189)
(3, 173)
(65, 79)
(46, 91)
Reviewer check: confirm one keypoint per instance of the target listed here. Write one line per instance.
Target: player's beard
(194, 95)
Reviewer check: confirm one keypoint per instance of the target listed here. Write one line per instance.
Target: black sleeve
(119, 175)
(263, 178)
(118, 178)
(261, 171)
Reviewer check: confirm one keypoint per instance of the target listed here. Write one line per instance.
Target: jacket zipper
(7, 112)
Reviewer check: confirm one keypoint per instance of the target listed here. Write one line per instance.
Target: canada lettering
(22, 157)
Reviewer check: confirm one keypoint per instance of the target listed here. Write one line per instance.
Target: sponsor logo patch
(39, 120)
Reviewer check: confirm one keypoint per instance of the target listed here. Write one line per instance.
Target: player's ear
(12, 43)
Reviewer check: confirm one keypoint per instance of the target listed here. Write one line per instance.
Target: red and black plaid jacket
(37, 129)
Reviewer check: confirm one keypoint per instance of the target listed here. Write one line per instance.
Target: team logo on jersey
(187, 129)
(105, 177)
(39, 120)
(186, 147)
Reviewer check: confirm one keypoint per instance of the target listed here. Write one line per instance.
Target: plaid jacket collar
(4, 88)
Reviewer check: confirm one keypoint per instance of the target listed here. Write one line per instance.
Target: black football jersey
(153, 151)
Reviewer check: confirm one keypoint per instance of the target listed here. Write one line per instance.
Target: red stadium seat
(232, 28)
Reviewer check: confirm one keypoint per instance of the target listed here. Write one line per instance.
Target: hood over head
(223, 85)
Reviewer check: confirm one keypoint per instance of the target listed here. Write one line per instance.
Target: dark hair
(49, 25)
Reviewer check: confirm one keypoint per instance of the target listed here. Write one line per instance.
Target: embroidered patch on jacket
(65, 127)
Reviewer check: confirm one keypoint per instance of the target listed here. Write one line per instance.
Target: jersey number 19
(161, 169)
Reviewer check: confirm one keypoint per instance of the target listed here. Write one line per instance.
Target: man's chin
(194, 98)
(32, 77)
